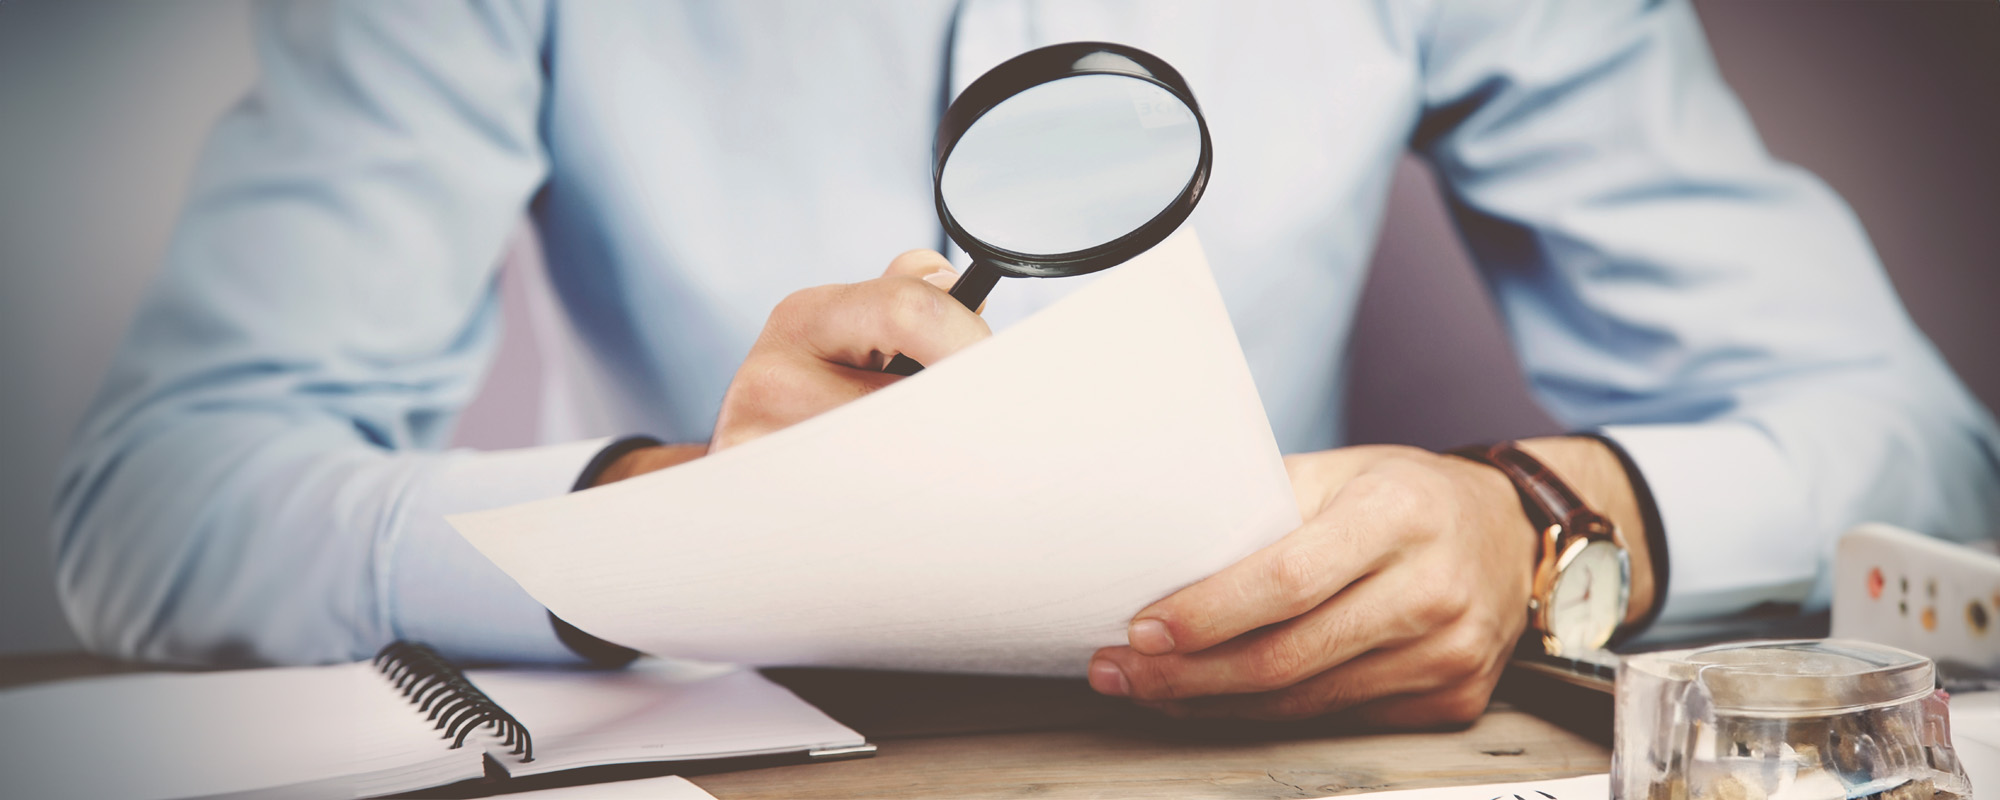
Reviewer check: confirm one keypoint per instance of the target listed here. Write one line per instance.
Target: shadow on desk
(886, 705)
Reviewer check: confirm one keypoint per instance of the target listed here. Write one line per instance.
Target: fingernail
(1108, 679)
(1150, 637)
(943, 278)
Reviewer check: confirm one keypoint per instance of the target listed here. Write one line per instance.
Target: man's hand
(825, 346)
(1400, 598)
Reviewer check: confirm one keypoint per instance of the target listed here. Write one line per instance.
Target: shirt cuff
(1734, 514)
(443, 592)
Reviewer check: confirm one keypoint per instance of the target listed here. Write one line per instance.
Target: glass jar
(1793, 720)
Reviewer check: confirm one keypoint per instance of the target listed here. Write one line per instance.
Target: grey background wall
(103, 106)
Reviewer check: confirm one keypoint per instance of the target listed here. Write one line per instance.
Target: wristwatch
(1583, 573)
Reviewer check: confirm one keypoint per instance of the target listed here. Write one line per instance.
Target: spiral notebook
(403, 722)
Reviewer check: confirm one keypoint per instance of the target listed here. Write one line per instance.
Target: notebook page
(1004, 511)
(340, 729)
(654, 711)
(671, 787)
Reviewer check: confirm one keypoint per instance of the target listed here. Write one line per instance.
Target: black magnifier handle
(971, 290)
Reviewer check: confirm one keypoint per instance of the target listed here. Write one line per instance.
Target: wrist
(1582, 498)
(625, 458)
(1597, 474)
(1497, 504)
(648, 458)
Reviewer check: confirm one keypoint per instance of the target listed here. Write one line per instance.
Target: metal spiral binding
(440, 690)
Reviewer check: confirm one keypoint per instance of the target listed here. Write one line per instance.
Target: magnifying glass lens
(1071, 164)
(1065, 160)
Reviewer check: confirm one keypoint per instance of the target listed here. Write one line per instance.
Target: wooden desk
(958, 736)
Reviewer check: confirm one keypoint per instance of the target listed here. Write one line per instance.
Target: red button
(1875, 583)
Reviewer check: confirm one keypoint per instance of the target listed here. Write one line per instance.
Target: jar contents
(1813, 720)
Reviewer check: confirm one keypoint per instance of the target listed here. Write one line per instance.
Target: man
(259, 478)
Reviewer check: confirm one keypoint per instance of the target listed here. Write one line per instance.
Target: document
(1006, 510)
(1975, 735)
(1586, 787)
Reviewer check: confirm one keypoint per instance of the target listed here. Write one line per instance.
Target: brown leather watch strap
(1544, 496)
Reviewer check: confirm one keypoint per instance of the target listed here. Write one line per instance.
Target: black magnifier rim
(1034, 68)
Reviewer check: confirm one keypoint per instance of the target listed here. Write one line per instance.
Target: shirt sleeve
(258, 480)
(1720, 314)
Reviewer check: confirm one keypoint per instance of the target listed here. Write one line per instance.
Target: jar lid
(1805, 678)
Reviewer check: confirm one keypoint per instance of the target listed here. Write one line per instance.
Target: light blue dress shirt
(261, 477)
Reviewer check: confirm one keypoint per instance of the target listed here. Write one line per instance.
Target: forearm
(1754, 504)
(1725, 320)
(253, 537)
(214, 539)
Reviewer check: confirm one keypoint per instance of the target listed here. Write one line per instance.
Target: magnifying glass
(1063, 161)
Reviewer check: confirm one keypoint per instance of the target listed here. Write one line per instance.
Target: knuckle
(909, 307)
(1389, 495)
(914, 259)
(766, 392)
(1443, 599)
(1152, 680)
(1462, 654)
(1278, 662)
(800, 322)
(1293, 576)
(797, 307)
(1426, 603)
(1338, 695)
(757, 386)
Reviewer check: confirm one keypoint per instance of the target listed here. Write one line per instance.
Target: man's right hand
(825, 346)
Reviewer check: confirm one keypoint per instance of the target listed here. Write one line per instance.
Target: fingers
(1352, 537)
(1437, 680)
(887, 316)
(825, 346)
(1394, 599)
(918, 264)
(928, 266)
(1455, 705)
(862, 325)
(924, 265)
(773, 391)
(1362, 618)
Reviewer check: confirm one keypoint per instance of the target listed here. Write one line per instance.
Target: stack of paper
(1007, 510)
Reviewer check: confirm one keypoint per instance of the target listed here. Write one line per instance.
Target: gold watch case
(1583, 586)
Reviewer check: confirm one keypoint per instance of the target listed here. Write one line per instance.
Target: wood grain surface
(946, 736)
(1502, 746)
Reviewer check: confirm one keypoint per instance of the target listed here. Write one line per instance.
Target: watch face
(1589, 597)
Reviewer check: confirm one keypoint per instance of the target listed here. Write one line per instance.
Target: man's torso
(707, 160)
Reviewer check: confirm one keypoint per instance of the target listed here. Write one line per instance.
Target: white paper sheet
(1975, 735)
(1583, 787)
(1007, 510)
(671, 787)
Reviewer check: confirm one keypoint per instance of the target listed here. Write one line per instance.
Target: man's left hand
(1399, 599)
